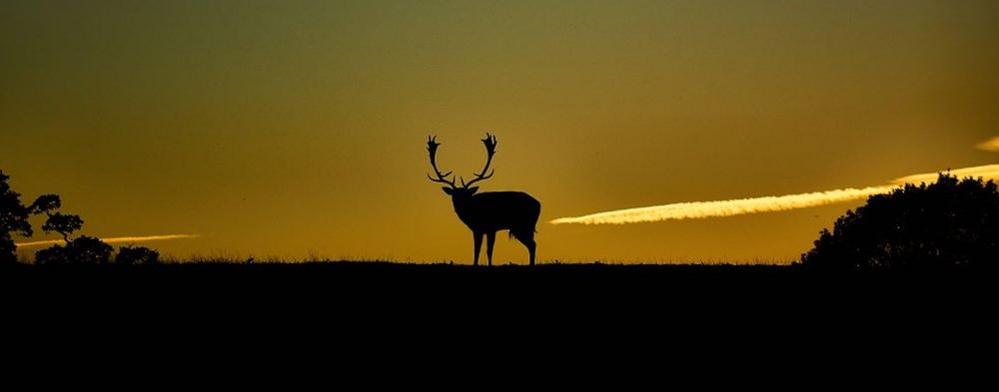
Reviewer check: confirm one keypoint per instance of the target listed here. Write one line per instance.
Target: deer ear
(448, 190)
(473, 189)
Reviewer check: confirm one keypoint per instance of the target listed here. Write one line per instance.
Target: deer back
(490, 211)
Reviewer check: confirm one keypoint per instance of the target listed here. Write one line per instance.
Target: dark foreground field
(568, 300)
(377, 279)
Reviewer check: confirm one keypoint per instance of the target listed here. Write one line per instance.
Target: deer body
(489, 212)
(494, 211)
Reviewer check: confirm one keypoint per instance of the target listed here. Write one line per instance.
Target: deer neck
(463, 207)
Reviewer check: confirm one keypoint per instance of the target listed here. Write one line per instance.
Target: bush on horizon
(946, 224)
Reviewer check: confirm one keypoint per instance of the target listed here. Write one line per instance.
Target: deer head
(466, 189)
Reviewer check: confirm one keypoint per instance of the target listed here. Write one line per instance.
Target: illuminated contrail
(711, 209)
(724, 208)
(116, 240)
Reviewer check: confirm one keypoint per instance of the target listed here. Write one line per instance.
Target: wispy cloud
(725, 208)
(990, 145)
(116, 240)
(987, 172)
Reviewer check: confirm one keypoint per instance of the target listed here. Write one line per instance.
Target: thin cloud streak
(990, 145)
(726, 208)
(115, 240)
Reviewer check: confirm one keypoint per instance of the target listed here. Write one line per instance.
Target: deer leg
(528, 240)
(478, 246)
(532, 247)
(490, 240)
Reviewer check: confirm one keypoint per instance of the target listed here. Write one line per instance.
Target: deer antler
(490, 142)
(432, 145)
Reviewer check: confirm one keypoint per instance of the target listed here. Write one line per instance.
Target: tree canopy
(949, 223)
(13, 219)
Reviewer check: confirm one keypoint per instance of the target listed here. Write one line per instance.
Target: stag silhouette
(488, 212)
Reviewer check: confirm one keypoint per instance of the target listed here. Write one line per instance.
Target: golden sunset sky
(290, 129)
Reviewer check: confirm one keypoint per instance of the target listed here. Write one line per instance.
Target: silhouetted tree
(57, 222)
(65, 225)
(945, 224)
(83, 250)
(13, 220)
(56, 255)
(46, 204)
(8, 251)
(131, 255)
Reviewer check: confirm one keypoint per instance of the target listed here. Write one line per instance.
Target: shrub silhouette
(132, 255)
(13, 220)
(83, 250)
(56, 255)
(946, 224)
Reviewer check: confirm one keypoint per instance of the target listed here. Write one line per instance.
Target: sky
(297, 129)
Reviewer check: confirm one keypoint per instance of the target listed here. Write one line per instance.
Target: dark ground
(572, 309)
(551, 282)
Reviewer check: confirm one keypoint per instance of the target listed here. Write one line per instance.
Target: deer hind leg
(478, 246)
(490, 241)
(527, 238)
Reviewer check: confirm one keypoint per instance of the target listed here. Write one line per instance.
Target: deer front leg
(478, 246)
(490, 240)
